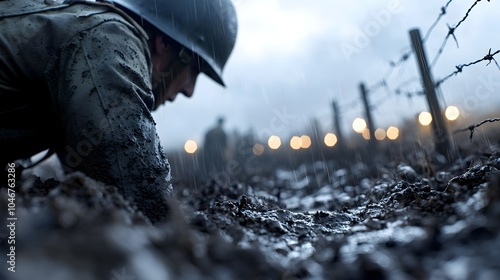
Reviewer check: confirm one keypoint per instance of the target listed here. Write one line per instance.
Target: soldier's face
(171, 77)
(166, 85)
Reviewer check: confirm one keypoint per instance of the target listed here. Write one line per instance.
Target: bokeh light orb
(425, 118)
(392, 133)
(274, 142)
(380, 134)
(452, 113)
(190, 146)
(295, 142)
(366, 134)
(258, 149)
(359, 125)
(330, 139)
(306, 141)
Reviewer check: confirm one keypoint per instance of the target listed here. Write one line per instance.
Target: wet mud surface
(314, 222)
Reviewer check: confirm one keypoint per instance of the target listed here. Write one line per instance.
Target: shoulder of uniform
(111, 7)
(24, 7)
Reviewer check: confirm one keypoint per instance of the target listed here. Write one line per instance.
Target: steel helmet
(206, 27)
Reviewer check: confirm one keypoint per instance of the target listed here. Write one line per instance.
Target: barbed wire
(406, 55)
(405, 83)
(443, 12)
(472, 127)
(410, 94)
(489, 57)
(392, 65)
(404, 58)
(467, 13)
(381, 100)
(377, 86)
(451, 32)
(383, 83)
(348, 106)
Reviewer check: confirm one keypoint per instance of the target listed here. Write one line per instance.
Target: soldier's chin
(160, 93)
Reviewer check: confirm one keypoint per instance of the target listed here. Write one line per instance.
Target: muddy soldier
(81, 79)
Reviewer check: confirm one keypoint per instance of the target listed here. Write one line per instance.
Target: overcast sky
(293, 57)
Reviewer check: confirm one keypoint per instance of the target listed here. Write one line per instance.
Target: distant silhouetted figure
(81, 79)
(215, 149)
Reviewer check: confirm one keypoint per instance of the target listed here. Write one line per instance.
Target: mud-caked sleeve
(101, 90)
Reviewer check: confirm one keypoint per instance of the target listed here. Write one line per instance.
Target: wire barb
(443, 12)
(489, 57)
(472, 127)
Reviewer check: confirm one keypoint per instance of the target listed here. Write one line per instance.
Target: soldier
(214, 149)
(81, 78)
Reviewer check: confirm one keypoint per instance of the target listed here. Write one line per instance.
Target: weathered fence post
(369, 119)
(336, 125)
(438, 124)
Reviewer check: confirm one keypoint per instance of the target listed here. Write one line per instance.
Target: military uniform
(76, 78)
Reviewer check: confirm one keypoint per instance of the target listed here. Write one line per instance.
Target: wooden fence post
(368, 114)
(336, 125)
(438, 124)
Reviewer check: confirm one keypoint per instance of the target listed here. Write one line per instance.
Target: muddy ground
(403, 220)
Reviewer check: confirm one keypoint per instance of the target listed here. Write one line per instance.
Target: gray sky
(293, 57)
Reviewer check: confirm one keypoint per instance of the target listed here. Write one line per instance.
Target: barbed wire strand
(489, 57)
(451, 32)
(472, 127)
(467, 13)
(375, 105)
(402, 59)
(406, 55)
(388, 72)
(443, 12)
(377, 86)
(410, 94)
(348, 106)
(392, 65)
(406, 82)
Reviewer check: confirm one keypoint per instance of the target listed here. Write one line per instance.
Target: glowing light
(366, 134)
(295, 142)
(392, 133)
(451, 113)
(274, 142)
(359, 125)
(306, 141)
(190, 146)
(380, 134)
(258, 149)
(425, 118)
(330, 139)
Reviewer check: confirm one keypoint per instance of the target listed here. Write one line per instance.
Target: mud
(398, 222)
